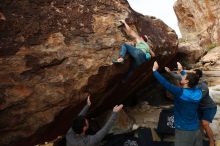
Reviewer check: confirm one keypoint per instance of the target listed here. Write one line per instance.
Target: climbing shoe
(118, 61)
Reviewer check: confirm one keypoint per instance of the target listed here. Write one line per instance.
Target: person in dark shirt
(186, 103)
(207, 107)
(76, 135)
(207, 111)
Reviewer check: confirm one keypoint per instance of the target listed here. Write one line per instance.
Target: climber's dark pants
(188, 138)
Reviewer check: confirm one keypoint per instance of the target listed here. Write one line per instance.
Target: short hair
(199, 72)
(193, 79)
(148, 41)
(144, 38)
(78, 123)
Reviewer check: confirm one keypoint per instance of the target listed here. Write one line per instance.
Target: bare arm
(177, 75)
(131, 32)
(151, 52)
(150, 44)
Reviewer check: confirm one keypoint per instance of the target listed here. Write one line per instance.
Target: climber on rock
(139, 50)
(76, 135)
(186, 103)
(207, 107)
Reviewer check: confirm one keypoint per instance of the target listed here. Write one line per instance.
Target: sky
(162, 9)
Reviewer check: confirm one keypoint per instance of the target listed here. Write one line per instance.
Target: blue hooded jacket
(186, 104)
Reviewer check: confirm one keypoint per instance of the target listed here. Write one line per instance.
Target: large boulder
(53, 53)
(199, 19)
(214, 92)
(211, 66)
(210, 63)
(191, 51)
(199, 25)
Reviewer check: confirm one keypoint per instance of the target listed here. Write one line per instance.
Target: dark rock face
(53, 53)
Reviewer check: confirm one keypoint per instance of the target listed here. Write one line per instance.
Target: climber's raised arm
(151, 52)
(131, 32)
(86, 107)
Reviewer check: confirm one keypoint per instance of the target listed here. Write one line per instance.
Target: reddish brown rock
(52, 53)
